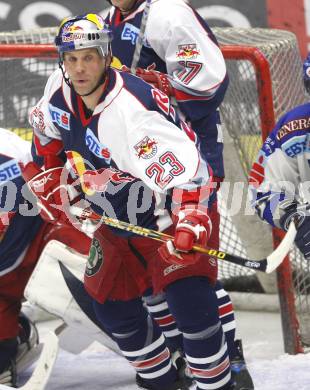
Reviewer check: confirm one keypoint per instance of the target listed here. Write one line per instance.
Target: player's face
(124, 5)
(85, 68)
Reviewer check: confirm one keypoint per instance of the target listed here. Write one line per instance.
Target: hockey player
(279, 179)
(137, 162)
(180, 56)
(23, 236)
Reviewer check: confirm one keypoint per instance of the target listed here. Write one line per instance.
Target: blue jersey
(179, 42)
(19, 218)
(134, 139)
(281, 172)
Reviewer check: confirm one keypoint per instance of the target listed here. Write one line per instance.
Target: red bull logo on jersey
(188, 51)
(146, 148)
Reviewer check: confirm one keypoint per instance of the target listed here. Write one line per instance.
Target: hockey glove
(156, 79)
(53, 195)
(193, 227)
(300, 214)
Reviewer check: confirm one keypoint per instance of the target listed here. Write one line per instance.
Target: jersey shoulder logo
(146, 148)
(188, 51)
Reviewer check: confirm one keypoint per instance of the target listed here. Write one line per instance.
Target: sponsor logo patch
(188, 51)
(130, 33)
(146, 148)
(296, 145)
(95, 258)
(268, 146)
(94, 145)
(294, 125)
(213, 261)
(61, 117)
(252, 264)
(172, 268)
(9, 171)
(72, 37)
(257, 173)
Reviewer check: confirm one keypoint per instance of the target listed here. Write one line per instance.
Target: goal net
(265, 73)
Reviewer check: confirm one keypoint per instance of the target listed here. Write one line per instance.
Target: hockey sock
(194, 305)
(140, 340)
(159, 310)
(227, 317)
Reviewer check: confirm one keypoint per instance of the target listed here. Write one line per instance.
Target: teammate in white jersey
(138, 162)
(180, 56)
(280, 176)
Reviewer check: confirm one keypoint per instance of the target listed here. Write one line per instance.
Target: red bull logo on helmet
(188, 51)
(72, 32)
(146, 148)
(72, 29)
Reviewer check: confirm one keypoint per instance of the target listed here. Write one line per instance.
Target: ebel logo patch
(61, 117)
(9, 171)
(96, 147)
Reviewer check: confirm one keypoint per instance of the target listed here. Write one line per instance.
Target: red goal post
(265, 68)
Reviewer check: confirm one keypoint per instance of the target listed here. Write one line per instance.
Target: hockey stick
(139, 43)
(45, 364)
(268, 264)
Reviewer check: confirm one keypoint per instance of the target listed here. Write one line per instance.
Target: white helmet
(83, 31)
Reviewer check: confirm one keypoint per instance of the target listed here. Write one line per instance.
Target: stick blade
(278, 255)
(45, 364)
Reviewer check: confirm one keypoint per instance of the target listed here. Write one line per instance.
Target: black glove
(300, 213)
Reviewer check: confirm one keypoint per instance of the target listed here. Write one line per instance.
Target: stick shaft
(265, 265)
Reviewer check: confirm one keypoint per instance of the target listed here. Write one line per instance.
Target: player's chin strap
(268, 264)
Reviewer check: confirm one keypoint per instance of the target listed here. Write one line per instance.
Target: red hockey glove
(193, 228)
(52, 195)
(156, 79)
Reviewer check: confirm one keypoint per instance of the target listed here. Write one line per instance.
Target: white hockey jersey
(281, 172)
(133, 133)
(178, 42)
